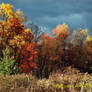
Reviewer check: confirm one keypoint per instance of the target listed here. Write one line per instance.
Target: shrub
(27, 58)
(7, 63)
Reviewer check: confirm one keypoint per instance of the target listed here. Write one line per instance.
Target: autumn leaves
(52, 52)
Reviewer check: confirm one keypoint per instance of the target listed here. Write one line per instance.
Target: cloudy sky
(49, 13)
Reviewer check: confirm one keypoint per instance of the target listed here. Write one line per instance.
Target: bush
(27, 58)
(7, 64)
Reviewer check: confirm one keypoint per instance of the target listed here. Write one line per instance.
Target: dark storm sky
(49, 13)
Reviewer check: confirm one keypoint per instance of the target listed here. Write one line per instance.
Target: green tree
(7, 63)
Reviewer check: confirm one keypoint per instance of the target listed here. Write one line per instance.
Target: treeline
(22, 51)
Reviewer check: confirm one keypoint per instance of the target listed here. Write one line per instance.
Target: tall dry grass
(57, 82)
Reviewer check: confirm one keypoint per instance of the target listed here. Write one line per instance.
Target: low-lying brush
(68, 81)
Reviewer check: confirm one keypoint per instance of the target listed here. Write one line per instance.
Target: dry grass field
(70, 81)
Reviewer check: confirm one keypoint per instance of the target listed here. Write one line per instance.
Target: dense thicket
(45, 54)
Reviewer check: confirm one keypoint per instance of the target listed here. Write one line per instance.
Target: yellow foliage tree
(12, 31)
(79, 36)
(6, 11)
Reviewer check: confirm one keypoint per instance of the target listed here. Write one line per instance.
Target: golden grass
(71, 81)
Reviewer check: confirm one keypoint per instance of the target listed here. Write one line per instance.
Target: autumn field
(71, 81)
(33, 61)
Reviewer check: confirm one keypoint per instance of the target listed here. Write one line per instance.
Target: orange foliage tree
(12, 31)
(15, 35)
(47, 56)
(50, 53)
(27, 58)
(61, 32)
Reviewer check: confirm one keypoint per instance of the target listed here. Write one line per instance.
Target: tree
(7, 63)
(6, 11)
(79, 36)
(88, 49)
(47, 56)
(27, 58)
(35, 29)
(61, 32)
(13, 33)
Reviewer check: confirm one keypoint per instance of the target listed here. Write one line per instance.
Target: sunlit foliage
(41, 54)
(7, 63)
(27, 58)
(79, 36)
(6, 11)
(61, 31)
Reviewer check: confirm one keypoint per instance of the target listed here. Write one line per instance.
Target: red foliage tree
(15, 25)
(28, 57)
(67, 56)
